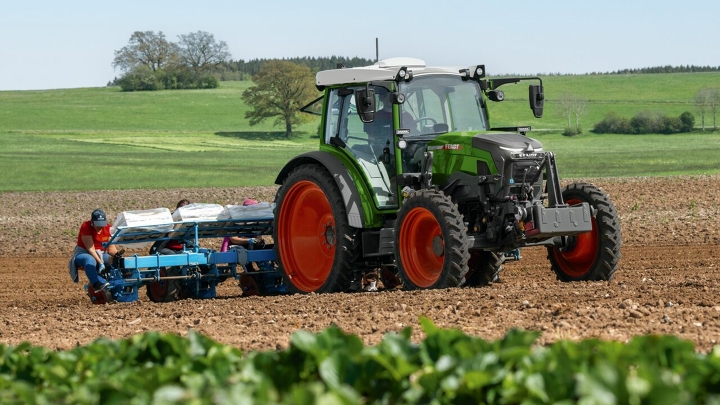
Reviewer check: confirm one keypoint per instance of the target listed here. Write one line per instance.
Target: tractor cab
(383, 117)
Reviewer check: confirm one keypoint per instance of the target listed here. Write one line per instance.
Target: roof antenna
(377, 52)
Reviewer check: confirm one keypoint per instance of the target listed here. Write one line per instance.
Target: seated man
(380, 130)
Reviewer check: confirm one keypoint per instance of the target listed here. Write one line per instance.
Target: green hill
(102, 138)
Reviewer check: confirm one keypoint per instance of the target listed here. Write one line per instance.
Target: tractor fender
(345, 183)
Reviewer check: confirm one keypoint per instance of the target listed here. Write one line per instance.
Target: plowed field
(667, 283)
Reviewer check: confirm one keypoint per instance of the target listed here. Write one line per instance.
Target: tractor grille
(525, 171)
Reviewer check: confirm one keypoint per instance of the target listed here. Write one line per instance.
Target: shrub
(174, 78)
(669, 125)
(688, 122)
(612, 124)
(208, 82)
(645, 122)
(572, 131)
(142, 78)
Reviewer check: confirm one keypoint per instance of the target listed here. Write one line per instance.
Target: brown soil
(667, 282)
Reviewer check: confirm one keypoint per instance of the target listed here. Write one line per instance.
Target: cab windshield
(438, 104)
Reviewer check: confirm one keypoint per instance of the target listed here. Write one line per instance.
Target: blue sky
(71, 43)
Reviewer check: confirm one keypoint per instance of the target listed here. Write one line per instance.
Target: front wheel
(315, 247)
(431, 242)
(593, 255)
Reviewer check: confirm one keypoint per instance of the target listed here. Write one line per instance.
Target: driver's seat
(413, 155)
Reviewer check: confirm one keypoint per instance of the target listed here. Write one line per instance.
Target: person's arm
(239, 240)
(90, 247)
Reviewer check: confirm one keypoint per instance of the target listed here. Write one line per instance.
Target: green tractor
(411, 178)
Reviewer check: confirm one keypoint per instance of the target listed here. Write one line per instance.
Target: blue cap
(99, 218)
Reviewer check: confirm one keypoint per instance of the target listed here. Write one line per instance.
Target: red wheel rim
(97, 298)
(580, 259)
(159, 289)
(306, 232)
(249, 286)
(422, 248)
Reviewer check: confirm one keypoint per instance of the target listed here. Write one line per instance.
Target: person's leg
(88, 263)
(106, 260)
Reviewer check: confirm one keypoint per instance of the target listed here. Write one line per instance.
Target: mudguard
(345, 183)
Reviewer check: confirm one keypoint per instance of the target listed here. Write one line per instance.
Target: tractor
(412, 181)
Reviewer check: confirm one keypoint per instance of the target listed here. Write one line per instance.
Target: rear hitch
(565, 243)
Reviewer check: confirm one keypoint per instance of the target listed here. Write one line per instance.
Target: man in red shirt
(89, 251)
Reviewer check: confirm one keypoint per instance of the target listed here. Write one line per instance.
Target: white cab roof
(383, 70)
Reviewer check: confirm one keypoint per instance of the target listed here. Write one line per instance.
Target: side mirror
(537, 100)
(365, 100)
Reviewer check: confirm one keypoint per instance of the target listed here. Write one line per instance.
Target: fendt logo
(526, 155)
(447, 146)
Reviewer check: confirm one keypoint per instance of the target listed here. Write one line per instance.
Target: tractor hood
(503, 145)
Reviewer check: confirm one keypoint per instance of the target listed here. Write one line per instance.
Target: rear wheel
(593, 255)
(431, 242)
(484, 267)
(315, 247)
(165, 290)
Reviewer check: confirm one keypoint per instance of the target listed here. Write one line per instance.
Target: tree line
(150, 61)
(669, 69)
(245, 70)
(197, 60)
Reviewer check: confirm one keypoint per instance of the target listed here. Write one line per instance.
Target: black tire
(431, 245)
(165, 290)
(485, 266)
(594, 255)
(315, 247)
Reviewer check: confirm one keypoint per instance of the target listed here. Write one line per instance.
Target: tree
(702, 102)
(579, 108)
(571, 105)
(566, 109)
(714, 104)
(201, 52)
(281, 89)
(146, 48)
(707, 101)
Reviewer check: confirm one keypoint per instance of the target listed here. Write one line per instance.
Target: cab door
(371, 145)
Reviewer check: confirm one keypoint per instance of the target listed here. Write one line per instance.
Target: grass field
(671, 94)
(102, 138)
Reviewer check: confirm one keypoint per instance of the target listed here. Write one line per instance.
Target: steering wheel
(421, 119)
